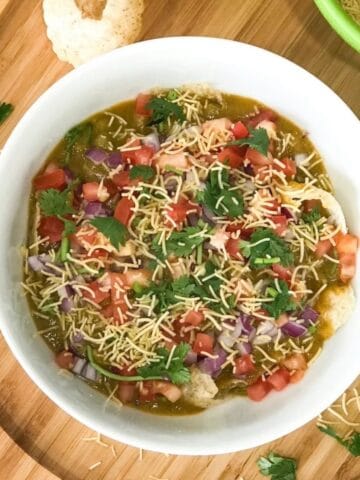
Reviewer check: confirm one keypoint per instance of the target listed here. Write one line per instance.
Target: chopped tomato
(203, 343)
(85, 237)
(243, 365)
(297, 376)
(257, 158)
(309, 205)
(141, 156)
(280, 222)
(126, 392)
(122, 179)
(231, 156)
(283, 319)
(239, 130)
(146, 392)
(140, 276)
(99, 293)
(98, 253)
(261, 116)
(346, 246)
(51, 179)
(111, 187)
(118, 302)
(141, 103)
(65, 360)
(179, 210)
(279, 379)
(182, 333)
(123, 210)
(258, 390)
(194, 317)
(289, 168)
(93, 191)
(281, 272)
(296, 361)
(233, 248)
(261, 171)
(167, 389)
(322, 248)
(51, 227)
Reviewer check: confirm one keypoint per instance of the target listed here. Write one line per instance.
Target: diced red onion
(212, 366)
(95, 209)
(226, 338)
(37, 262)
(245, 348)
(69, 176)
(190, 358)
(152, 140)
(207, 246)
(267, 327)
(66, 305)
(249, 170)
(193, 219)
(288, 213)
(309, 315)
(293, 329)
(97, 155)
(171, 185)
(208, 216)
(89, 373)
(79, 364)
(246, 322)
(114, 160)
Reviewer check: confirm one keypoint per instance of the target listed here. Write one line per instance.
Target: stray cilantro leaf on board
(312, 216)
(80, 133)
(162, 109)
(266, 248)
(258, 140)
(114, 230)
(144, 172)
(282, 300)
(176, 371)
(277, 467)
(352, 444)
(5, 110)
(55, 203)
(218, 197)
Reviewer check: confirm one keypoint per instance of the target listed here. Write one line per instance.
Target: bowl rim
(340, 21)
(70, 407)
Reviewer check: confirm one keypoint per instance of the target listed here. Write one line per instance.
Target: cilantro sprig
(114, 230)
(352, 444)
(258, 140)
(58, 204)
(313, 216)
(277, 467)
(144, 172)
(80, 133)
(5, 110)
(282, 300)
(163, 109)
(161, 369)
(218, 197)
(266, 248)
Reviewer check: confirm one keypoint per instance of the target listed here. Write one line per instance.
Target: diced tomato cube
(233, 248)
(65, 359)
(258, 390)
(279, 379)
(346, 246)
(261, 116)
(126, 392)
(140, 156)
(203, 343)
(141, 103)
(239, 130)
(98, 295)
(146, 392)
(282, 272)
(231, 156)
(289, 168)
(296, 361)
(297, 376)
(322, 248)
(257, 158)
(167, 389)
(280, 222)
(51, 227)
(123, 210)
(122, 179)
(178, 211)
(51, 179)
(194, 317)
(309, 205)
(243, 365)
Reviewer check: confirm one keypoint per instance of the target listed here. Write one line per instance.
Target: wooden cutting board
(52, 444)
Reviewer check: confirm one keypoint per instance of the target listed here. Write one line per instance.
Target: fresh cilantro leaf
(279, 468)
(258, 140)
(172, 95)
(312, 216)
(5, 110)
(55, 203)
(176, 371)
(114, 230)
(184, 242)
(69, 227)
(266, 248)
(282, 301)
(166, 292)
(352, 444)
(81, 132)
(312, 329)
(218, 197)
(162, 109)
(144, 172)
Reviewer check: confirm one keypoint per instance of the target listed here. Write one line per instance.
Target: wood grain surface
(39, 441)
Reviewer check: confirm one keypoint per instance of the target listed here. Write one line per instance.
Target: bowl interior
(236, 424)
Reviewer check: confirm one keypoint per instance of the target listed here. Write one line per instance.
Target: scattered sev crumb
(140, 454)
(95, 465)
(152, 477)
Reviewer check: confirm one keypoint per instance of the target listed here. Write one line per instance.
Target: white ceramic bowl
(232, 67)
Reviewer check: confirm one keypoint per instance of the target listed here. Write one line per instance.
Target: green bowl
(341, 21)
